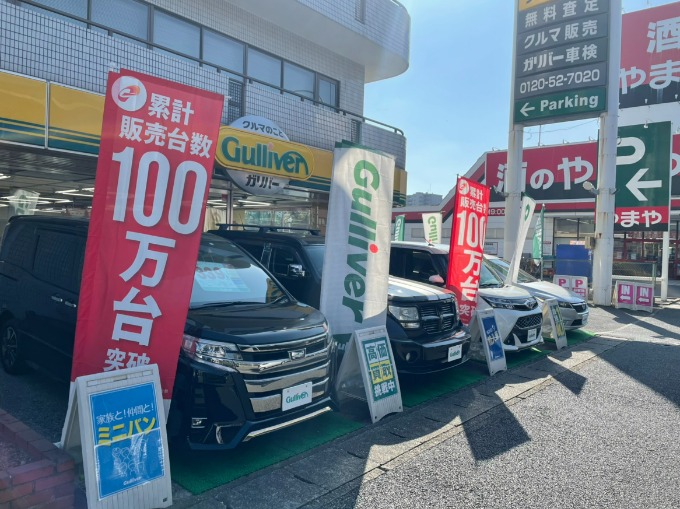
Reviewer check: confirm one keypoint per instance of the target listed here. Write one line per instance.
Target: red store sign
(467, 244)
(153, 175)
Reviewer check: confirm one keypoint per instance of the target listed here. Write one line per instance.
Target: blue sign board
(493, 338)
(127, 438)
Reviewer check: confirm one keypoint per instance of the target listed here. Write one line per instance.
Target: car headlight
(563, 304)
(211, 352)
(499, 302)
(408, 317)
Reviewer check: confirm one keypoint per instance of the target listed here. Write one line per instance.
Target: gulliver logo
(298, 397)
(361, 231)
(129, 93)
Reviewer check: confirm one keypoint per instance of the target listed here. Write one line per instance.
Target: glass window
(54, 257)
(282, 257)
(224, 275)
(264, 67)
(73, 7)
(328, 91)
(566, 227)
(298, 80)
(127, 16)
(222, 51)
(585, 227)
(176, 34)
(17, 246)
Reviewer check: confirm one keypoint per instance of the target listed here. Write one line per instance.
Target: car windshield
(502, 267)
(225, 275)
(487, 278)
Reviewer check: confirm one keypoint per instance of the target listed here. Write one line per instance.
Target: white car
(518, 315)
(573, 308)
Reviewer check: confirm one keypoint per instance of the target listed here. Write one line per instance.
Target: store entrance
(646, 248)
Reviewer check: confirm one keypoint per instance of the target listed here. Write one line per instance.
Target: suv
(422, 321)
(518, 314)
(235, 362)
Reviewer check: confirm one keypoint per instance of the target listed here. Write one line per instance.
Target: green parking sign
(643, 175)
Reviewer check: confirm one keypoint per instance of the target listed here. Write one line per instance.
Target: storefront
(49, 139)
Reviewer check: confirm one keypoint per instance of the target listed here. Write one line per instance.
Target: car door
(56, 279)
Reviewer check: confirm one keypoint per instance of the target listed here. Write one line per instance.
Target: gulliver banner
(357, 260)
(528, 206)
(467, 244)
(399, 225)
(153, 174)
(432, 224)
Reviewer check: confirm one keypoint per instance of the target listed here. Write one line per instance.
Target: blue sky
(453, 103)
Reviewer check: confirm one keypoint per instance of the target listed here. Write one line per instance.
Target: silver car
(573, 308)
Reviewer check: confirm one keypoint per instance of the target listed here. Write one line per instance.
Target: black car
(242, 347)
(422, 321)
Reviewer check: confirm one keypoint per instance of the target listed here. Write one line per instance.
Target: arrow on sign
(525, 109)
(634, 185)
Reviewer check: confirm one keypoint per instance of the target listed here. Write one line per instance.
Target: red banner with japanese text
(153, 175)
(470, 216)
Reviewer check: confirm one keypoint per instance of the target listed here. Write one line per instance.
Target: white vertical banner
(528, 206)
(432, 224)
(357, 259)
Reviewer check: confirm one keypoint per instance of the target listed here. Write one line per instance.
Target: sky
(453, 103)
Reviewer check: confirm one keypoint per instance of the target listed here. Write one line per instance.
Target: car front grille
(529, 321)
(268, 369)
(438, 317)
(580, 308)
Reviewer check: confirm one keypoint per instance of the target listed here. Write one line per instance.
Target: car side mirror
(295, 270)
(436, 279)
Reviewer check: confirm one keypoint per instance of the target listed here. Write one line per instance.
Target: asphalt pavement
(591, 426)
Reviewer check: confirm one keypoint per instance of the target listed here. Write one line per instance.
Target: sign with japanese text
(528, 207)
(561, 60)
(399, 226)
(551, 311)
(470, 216)
(257, 184)
(432, 224)
(357, 259)
(153, 175)
(555, 174)
(643, 174)
(262, 153)
(634, 295)
(116, 421)
(491, 341)
(575, 284)
(650, 56)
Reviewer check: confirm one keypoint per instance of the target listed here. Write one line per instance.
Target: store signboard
(470, 216)
(561, 61)
(357, 259)
(152, 181)
(491, 341)
(650, 56)
(643, 169)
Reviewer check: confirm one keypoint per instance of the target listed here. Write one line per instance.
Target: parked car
(235, 360)
(422, 321)
(573, 308)
(518, 315)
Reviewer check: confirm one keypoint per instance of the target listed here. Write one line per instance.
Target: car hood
(256, 324)
(545, 290)
(404, 290)
(505, 292)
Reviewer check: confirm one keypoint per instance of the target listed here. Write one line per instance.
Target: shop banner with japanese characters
(650, 56)
(357, 260)
(399, 226)
(470, 216)
(528, 206)
(153, 174)
(643, 169)
(432, 224)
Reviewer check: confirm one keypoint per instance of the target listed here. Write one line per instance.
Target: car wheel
(10, 349)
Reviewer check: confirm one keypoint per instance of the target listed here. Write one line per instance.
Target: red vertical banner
(153, 175)
(470, 216)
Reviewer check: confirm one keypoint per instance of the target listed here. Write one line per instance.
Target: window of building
(72, 7)
(176, 34)
(328, 91)
(222, 51)
(298, 80)
(127, 16)
(264, 67)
